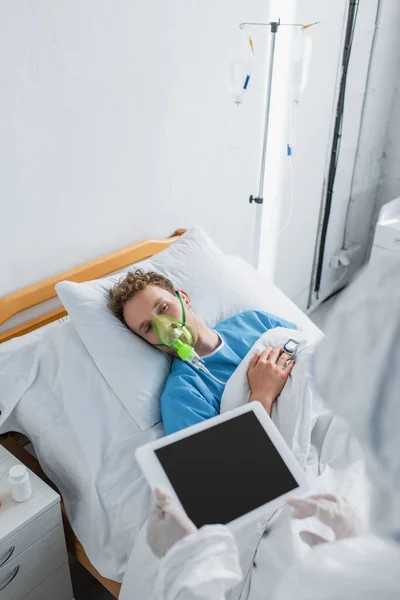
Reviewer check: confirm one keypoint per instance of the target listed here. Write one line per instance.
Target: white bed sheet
(85, 438)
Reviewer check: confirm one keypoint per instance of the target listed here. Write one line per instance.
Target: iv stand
(274, 25)
(274, 30)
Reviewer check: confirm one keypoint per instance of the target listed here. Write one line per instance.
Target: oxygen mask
(176, 335)
(173, 334)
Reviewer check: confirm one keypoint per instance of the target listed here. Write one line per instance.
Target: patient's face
(140, 310)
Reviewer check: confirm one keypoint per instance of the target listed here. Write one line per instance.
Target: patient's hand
(267, 376)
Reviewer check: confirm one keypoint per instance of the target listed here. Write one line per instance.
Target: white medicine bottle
(20, 482)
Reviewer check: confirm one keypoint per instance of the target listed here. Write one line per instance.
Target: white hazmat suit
(357, 372)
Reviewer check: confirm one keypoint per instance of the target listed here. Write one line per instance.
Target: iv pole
(274, 30)
(258, 200)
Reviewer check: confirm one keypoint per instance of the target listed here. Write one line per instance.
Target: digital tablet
(230, 469)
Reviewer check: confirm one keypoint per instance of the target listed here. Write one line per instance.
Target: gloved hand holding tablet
(231, 469)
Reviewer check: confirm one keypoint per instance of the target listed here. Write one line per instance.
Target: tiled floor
(320, 315)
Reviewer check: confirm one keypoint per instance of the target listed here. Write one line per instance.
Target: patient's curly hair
(135, 282)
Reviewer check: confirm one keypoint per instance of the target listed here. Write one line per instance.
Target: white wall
(116, 125)
(360, 171)
(389, 186)
(290, 256)
(292, 253)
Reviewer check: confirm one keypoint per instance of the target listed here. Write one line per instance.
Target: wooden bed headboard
(44, 290)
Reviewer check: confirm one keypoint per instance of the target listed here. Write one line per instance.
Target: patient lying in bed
(190, 395)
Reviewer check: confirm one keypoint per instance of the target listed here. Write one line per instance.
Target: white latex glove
(331, 510)
(167, 524)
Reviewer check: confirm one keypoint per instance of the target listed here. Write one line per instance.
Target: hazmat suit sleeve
(364, 567)
(363, 345)
(202, 566)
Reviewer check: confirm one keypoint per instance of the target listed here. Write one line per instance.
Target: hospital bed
(44, 291)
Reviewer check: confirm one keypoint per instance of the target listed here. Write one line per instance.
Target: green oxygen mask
(174, 334)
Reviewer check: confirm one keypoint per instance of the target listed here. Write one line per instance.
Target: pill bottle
(20, 482)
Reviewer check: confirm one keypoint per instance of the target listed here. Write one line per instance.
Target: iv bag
(300, 64)
(239, 68)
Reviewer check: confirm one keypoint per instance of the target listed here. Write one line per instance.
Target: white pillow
(132, 368)
(219, 286)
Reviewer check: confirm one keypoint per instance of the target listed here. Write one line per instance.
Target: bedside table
(33, 556)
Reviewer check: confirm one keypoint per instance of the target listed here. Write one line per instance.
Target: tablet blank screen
(226, 471)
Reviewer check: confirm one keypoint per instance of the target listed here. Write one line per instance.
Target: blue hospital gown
(191, 396)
